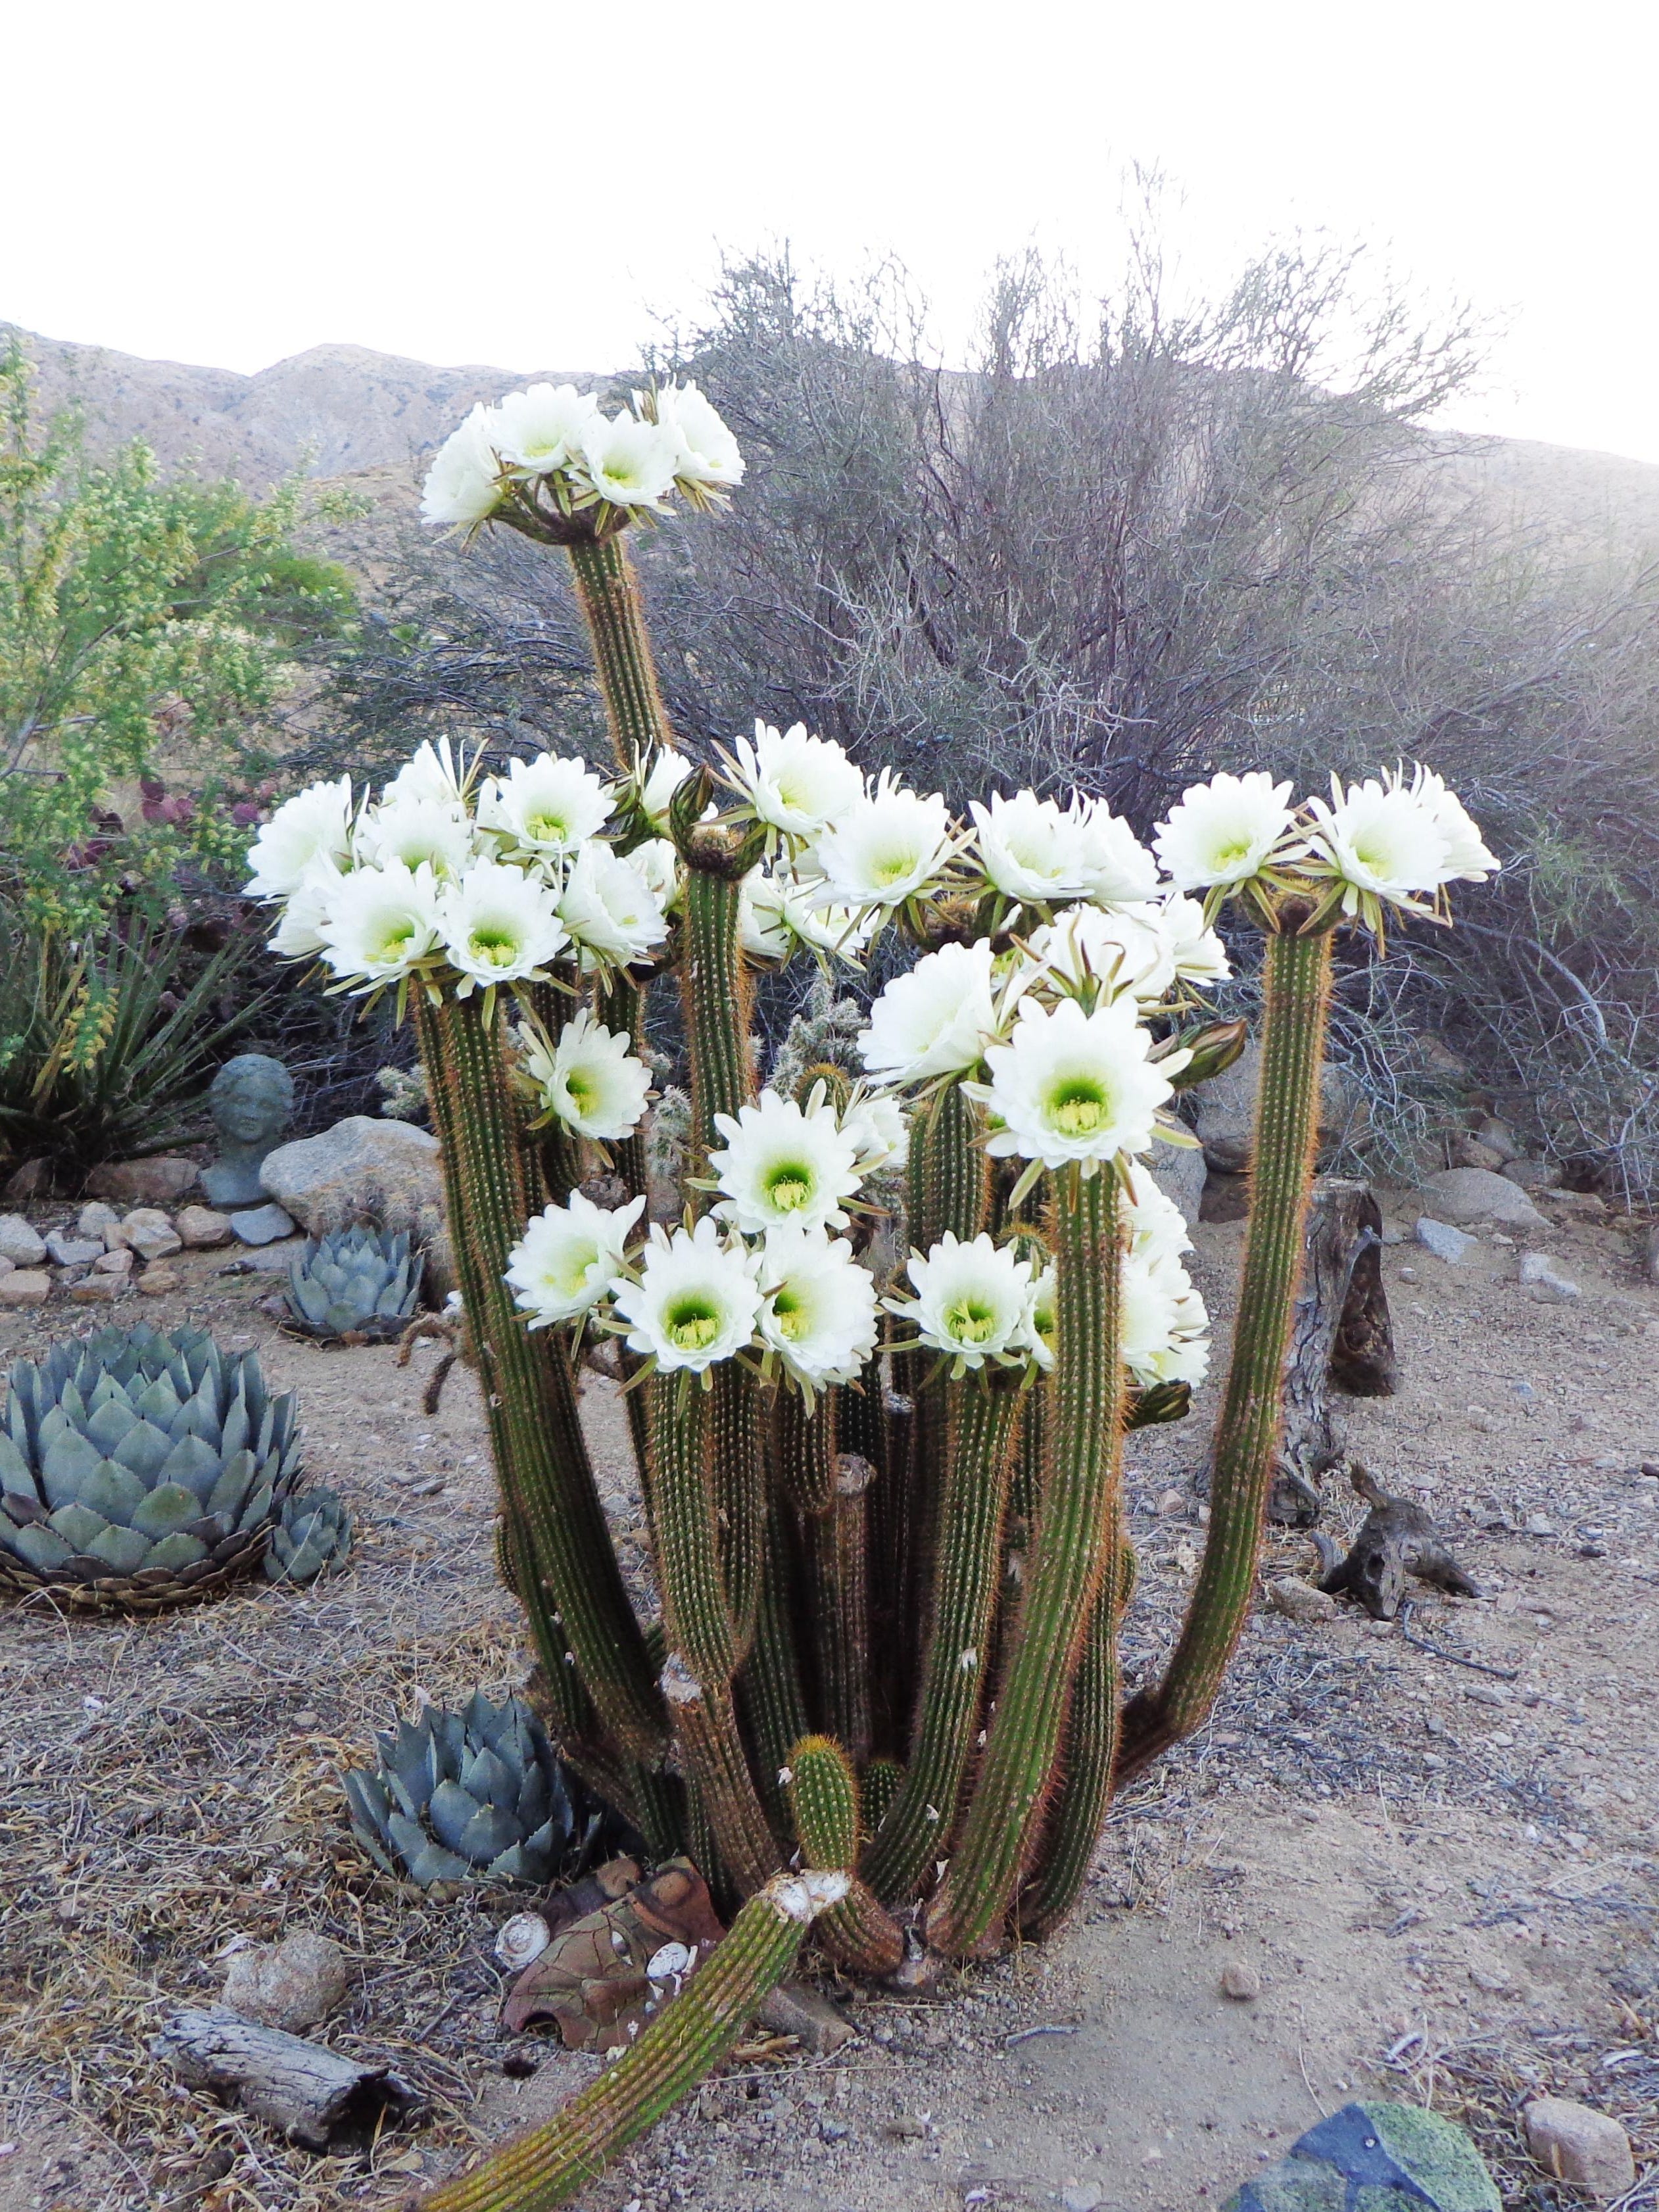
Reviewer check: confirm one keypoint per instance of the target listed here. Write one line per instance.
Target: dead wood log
(1341, 1336)
(316, 2097)
(1396, 1539)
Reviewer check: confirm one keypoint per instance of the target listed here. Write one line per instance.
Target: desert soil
(1432, 1841)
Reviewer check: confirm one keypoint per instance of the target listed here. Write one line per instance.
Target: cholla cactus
(478, 1796)
(139, 1469)
(884, 1487)
(361, 1283)
(311, 1537)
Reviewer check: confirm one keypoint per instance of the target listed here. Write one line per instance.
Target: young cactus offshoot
(881, 1343)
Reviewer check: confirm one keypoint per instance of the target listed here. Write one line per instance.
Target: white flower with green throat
(568, 1258)
(971, 1304)
(590, 1079)
(695, 1300)
(784, 1166)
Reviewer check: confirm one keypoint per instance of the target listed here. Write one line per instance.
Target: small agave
(359, 1282)
(138, 1469)
(478, 1796)
(313, 1538)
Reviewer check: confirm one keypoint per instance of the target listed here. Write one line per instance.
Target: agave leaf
(110, 1419)
(411, 1764)
(39, 1546)
(14, 1468)
(431, 1863)
(450, 1813)
(229, 1493)
(368, 1810)
(532, 1800)
(168, 1508)
(74, 1405)
(157, 1402)
(257, 1508)
(68, 1461)
(145, 1449)
(123, 1549)
(488, 1833)
(115, 1492)
(489, 1780)
(53, 1423)
(177, 1550)
(195, 1463)
(79, 1526)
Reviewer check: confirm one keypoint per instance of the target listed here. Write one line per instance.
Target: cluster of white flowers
(554, 437)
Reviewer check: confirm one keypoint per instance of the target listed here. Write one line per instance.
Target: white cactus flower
(568, 1258)
(609, 909)
(793, 781)
(1126, 949)
(1224, 831)
(499, 925)
(1074, 1086)
(1158, 1228)
(1116, 868)
(463, 485)
(1041, 1326)
(629, 463)
(381, 922)
(315, 824)
(541, 428)
(415, 831)
(1029, 849)
(591, 1080)
(706, 452)
(891, 845)
(667, 772)
(818, 1311)
(1199, 956)
(935, 1020)
(783, 1166)
(1467, 859)
(305, 912)
(763, 929)
(432, 775)
(658, 864)
(695, 1301)
(971, 1301)
(879, 1129)
(1164, 1321)
(1380, 839)
(548, 805)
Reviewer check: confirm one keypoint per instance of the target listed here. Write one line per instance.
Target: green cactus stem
(1295, 1006)
(838, 1581)
(770, 1698)
(706, 1728)
(547, 2166)
(824, 1802)
(529, 1390)
(1069, 1553)
(608, 593)
(883, 1779)
(967, 1567)
(558, 1149)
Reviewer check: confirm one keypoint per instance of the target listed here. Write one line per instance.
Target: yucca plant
(361, 1283)
(139, 1469)
(478, 1796)
(881, 1461)
(311, 1537)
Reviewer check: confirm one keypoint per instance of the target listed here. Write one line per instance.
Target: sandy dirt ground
(1433, 1841)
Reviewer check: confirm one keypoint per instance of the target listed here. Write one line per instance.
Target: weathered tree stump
(1342, 1337)
(316, 2097)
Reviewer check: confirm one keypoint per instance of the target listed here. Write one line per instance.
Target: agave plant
(478, 1796)
(139, 1468)
(363, 1283)
(313, 1537)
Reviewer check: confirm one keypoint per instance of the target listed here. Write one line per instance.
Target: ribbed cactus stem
(608, 593)
(1295, 1007)
(949, 1174)
(837, 1573)
(1069, 1555)
(706, 1728)
(823, 1802)
(967, 1569)
(529, 1390)
(547, 2166)
(770, 1698)
(883, 1780)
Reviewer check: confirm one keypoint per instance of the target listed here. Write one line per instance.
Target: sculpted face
(251, 1099)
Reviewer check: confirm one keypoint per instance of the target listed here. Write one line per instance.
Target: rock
(1241, 1982)
(156, 1282)
(144, 1182)
(1577, 1206)
(360, 1171)
(292, 1984)
(1497, 1137)
(1539, 1524)
(1468, 1151)
(1223, 1109)
(1576, 2143)
(66, 1251)
(1444, 1241)
(19, 1243)
(1179, 1172)
(147, 1231)
(1531, 1175)
(100, 1290)
(794, 2009)
(1374, 2153)
(1465, 1194)
(271, 1260)
(1650, 1255)
(118, 1262)
(1226, 1198)
(261, 1225)
(25, 1287)
(32, 1180)
(1301, 1601)
(1082, 2196)
(6, 1265)
(95, 1221)
(1545, 1283)
(200, 1227)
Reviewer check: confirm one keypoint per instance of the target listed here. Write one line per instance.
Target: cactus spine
(1297, 983)
(547, 2166)
(1070, 1550)
(608, 593)
(824, 1803)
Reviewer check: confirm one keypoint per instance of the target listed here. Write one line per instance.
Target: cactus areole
(881, 1344)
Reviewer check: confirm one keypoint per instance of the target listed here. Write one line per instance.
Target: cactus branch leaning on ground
(853, 1529)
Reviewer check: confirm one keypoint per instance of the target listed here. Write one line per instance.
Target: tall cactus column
(608, 593)
(1070, 1552)
(1294, 1008)
(529, 1390)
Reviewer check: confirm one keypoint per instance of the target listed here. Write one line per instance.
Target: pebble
(1539, 1524)
(1171, 1502)
(1445, 1242)
(18, 1243)
(118, 1262)
(1482, 1693)
(24, 1286)
(201, 1226)
(1548, 1287)
(1301, 1601)
(149, 1232)
(1083, 2196)
(66, 1251)
(261, 1225)
(1577, 2144)
(156, 1282)
(1241, 1982)
(290, 1985)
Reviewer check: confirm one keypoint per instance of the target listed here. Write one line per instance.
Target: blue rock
(261, 1225)
(1375, 2158)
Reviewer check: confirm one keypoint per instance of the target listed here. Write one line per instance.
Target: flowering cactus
(883, 1480)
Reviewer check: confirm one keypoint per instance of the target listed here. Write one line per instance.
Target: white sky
(524, 184)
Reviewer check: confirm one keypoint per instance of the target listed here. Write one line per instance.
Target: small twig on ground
(1024, 2034)
(1457, 1659)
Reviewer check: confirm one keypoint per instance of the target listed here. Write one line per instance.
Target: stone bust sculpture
(251, 1101)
